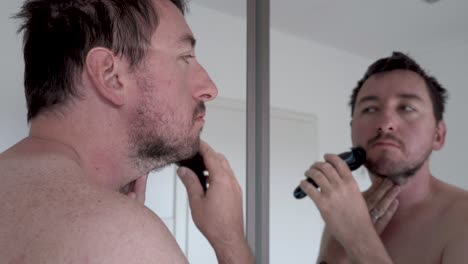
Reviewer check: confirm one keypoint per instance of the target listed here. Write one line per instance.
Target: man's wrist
(233, 251)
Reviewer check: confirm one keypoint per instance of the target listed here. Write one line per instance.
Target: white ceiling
(368, 28)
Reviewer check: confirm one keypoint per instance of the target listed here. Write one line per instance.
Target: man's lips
(385, 143)
(200, 117)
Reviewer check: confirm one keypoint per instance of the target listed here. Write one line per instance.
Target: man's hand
(339, 199)
(218, 212)
(138, 189)
(344, 211)
(381, 202)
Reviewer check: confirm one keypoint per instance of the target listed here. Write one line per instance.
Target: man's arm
(218, 212)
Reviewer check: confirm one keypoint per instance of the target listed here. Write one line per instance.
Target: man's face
(171, 88)
(394, 121)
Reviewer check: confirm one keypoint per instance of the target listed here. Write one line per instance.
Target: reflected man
(407, 215)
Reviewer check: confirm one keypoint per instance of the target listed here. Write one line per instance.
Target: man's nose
(387, 123)
(205, 89)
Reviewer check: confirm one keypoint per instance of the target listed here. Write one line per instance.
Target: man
(407, 215)
(113, 91)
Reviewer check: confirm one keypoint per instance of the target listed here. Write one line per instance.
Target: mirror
(319, 50)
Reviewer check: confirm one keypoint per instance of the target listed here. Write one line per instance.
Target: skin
(422, 219)
(61, 199)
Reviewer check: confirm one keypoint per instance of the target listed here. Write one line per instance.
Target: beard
(158, 138)
(399, 171)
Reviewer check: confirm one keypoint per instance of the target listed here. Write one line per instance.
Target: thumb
(191, 183)
(140, 188)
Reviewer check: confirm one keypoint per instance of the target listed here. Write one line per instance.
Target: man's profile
(113, 91)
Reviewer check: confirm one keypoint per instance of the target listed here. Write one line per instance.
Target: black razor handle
(197, 165)
(354, 158)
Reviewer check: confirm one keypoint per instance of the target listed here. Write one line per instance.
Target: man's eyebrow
(187, 38)
(373, 98)
(367, 99)
(410, 96)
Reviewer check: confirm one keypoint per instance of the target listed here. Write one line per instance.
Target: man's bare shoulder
(112, 228)
(454, 226)
(49, 214)
(455, 200)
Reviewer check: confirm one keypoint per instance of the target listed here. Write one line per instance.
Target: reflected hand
(382, 203)
(338, 198)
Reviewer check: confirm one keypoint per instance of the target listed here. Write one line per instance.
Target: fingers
(340, 166)
(379, 192)
(139, 189)
(216, 163)
(383, 221)
(132, 195)
(330, 173)
(310, 190)
(382, 203)
(210, 158)
(381, 199)
(191, 183)
(326, 174)
(318, 176)
(374, 186)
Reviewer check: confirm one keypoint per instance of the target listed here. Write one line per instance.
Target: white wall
(449, 64)
(12, 103)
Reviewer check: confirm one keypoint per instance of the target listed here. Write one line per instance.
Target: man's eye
(369, 109)
(187, 57)
(407, 108)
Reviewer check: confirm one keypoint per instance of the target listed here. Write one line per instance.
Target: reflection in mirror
(319, 51)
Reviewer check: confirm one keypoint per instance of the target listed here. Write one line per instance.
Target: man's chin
(190, 150)
(399, 180)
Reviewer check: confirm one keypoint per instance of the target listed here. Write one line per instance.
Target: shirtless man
(407, 215)
(113, 91)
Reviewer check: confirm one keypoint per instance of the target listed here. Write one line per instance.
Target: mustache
(385, 136)
(200, 108)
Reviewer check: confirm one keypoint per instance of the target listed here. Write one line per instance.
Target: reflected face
(170, 90)
(394, 121)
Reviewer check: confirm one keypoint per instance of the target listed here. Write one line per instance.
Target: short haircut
(58, 34)
(400, 61)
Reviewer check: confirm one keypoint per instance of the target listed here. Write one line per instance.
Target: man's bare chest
(416, 241)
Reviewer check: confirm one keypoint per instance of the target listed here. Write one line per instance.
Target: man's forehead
(172, 26)
(398, 83)
(401, 85)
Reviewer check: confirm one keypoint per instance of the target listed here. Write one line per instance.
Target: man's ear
(439, 137)
(107, 73)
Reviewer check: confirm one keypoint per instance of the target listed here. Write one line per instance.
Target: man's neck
(101, 157)
(416, 191)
